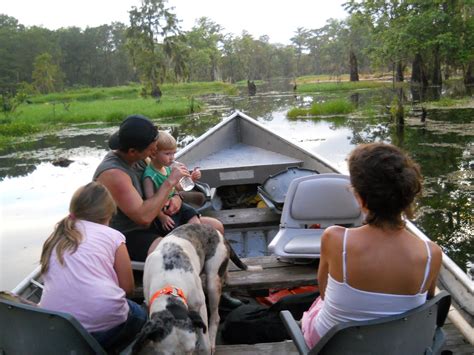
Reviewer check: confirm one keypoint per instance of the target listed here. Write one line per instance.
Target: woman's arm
(123, 268)
(128, 199)
(323, 269)
(436, 260)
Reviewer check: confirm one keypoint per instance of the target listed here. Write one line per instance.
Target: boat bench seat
(241, 164)
(245, 217)
(274, 274)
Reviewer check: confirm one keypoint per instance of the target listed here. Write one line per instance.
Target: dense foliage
(429, 39)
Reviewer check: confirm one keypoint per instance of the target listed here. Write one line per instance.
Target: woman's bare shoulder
(436, 252)
(333, 235)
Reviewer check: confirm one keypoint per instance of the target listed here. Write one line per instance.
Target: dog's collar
(168, 290)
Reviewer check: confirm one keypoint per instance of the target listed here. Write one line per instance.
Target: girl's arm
(123, 268)
(148, 188)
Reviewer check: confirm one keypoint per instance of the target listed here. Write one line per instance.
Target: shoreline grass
(54, 111)
(341, 86)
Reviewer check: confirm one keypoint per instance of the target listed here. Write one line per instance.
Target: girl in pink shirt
(87, 270)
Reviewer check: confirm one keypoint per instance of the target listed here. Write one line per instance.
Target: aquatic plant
(332, 107)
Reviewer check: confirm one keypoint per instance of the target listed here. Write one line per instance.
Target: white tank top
(343, 303)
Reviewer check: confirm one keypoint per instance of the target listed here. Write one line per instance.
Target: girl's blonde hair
(93, 203)
(165, 141)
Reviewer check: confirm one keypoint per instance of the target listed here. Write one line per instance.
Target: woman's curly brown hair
(387, 180)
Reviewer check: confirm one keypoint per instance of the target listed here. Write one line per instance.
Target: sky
(278, 19)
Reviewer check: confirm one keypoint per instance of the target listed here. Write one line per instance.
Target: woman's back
(373, 274)
(381, 261)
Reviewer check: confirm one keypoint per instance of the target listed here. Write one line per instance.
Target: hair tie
(72, 216)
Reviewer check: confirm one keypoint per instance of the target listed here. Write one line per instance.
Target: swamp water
(35, 194)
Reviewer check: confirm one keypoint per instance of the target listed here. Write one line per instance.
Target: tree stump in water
(252, 88)
(62, 162)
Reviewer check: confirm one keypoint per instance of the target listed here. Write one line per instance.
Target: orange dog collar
(168, 290)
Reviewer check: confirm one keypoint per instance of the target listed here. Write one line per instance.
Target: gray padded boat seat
(312, 204)
(417, 331)
(33, 330)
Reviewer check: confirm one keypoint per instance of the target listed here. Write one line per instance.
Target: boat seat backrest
(26, 329)
(417, 331)
(312, 204)
(325, 199)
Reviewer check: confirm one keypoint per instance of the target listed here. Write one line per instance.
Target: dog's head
(173, 330)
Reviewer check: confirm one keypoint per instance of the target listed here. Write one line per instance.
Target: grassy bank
(340, 86)
(55, 111)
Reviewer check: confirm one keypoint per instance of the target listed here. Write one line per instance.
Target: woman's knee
(213, 222)
(154, 244)
(195, 220)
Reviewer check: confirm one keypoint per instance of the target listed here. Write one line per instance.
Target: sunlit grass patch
(307, 79)
(333, 107)
(109, 110)
(297, 112)
(90, 94)
(198, 88)
(450, 102)
(342, 85)
(244, 82)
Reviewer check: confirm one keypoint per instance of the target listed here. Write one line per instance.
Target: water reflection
(32, 204)
(34, 193)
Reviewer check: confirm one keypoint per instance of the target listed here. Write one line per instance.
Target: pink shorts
(308, 326)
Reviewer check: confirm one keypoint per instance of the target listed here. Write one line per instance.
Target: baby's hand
(166, 222)
(196, 174)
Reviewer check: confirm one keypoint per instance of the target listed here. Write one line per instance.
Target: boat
(248, 169)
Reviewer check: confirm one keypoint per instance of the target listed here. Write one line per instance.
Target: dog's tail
(238, 262)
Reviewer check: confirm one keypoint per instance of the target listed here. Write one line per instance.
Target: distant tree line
(433, 39)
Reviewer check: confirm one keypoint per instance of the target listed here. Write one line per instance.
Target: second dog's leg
(214, 290)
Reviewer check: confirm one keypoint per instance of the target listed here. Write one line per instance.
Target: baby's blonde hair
(165, 141)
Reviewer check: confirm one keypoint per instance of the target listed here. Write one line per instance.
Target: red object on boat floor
(275, 294)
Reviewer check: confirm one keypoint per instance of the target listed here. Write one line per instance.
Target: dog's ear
(197, 321)
(154, 330)
(178, 310)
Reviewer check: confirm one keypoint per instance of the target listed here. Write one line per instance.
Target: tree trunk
(469, 74)
(353, 66)
(399, 72)
(155, 89)
(418, 74)
(436, 78)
